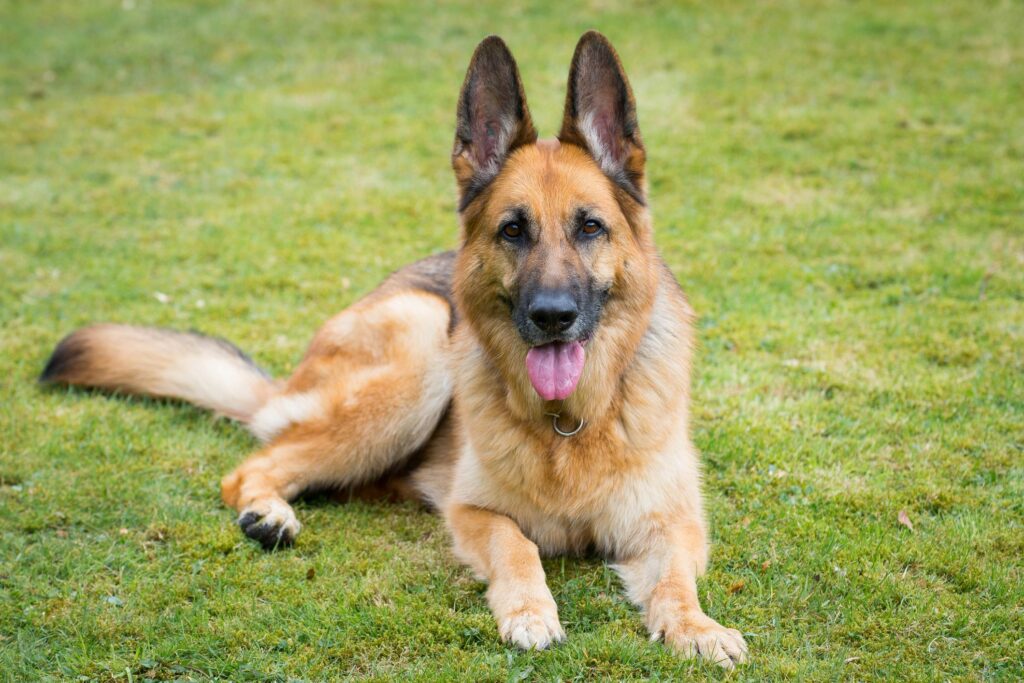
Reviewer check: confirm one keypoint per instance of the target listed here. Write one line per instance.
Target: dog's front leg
(496, 549)
(662, 580)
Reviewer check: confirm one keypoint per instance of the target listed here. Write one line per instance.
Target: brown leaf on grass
(903, 519)
(310, 574)
(737, 586)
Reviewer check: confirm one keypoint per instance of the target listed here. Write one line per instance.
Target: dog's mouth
(555, 368)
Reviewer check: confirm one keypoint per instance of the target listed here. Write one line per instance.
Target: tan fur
(420, 388)
(379, 371)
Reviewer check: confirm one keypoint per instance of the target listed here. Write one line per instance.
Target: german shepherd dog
(532, 386)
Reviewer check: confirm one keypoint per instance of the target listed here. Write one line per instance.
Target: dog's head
(556, 235)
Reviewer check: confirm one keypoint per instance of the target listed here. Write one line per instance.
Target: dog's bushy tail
(148, 361)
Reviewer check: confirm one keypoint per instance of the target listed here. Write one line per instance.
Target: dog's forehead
(553, 180)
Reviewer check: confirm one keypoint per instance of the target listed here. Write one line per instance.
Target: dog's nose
(553, 311)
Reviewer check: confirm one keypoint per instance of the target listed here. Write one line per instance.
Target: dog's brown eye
(592, 227)
(511, 231)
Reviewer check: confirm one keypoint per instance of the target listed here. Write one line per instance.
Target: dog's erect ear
(600, 114)
(492, 118)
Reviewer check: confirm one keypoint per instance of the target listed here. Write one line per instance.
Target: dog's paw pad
(274, 525)
(532, 631)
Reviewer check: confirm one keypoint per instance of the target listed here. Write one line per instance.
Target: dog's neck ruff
(558, 430)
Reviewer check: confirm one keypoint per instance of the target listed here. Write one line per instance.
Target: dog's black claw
(248, 519)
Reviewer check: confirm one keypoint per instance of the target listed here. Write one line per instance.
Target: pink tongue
(555, 368)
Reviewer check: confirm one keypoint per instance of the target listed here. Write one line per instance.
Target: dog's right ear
(492, 120)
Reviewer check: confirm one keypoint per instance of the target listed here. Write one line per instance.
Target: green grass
(839, 186)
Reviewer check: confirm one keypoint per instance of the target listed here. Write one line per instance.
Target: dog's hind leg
(369, 393)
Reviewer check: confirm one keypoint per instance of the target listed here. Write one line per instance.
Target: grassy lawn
(839, 186)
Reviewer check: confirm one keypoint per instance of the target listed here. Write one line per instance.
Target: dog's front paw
(532, 630)
(527, 615)
(271, 522)
(694, 634)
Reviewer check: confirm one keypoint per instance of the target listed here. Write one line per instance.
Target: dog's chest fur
(566, 492)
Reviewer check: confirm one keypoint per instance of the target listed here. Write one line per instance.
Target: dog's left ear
(600, 114)
(492, 120)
